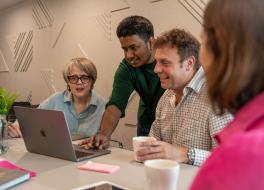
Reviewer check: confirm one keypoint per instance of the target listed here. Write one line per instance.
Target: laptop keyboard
(80, 154)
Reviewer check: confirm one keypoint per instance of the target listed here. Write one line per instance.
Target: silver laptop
(46, 132)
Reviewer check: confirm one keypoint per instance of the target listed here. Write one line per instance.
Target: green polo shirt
(146, 83)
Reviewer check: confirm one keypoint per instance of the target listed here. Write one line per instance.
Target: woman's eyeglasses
(73, 79)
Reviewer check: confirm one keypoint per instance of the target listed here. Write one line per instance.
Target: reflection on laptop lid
(46, 132)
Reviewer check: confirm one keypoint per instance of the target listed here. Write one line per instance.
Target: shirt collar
(197, 81)
(244, 118)
(93, 99)
(67, 96)
(195, 84)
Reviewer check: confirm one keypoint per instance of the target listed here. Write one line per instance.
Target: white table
(53, 173)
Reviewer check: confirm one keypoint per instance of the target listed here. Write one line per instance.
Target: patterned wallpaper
(38, 37)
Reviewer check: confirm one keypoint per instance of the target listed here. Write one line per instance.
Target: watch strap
(191, 156)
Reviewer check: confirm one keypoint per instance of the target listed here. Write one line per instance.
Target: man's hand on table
(97, 141)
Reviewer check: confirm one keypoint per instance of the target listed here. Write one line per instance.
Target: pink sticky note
(8, 165)
(98, 167)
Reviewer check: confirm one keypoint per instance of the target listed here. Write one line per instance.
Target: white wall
(57, 30)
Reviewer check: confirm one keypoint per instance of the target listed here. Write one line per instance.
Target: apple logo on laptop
(42, 132)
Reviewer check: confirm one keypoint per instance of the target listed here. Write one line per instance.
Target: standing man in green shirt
(135, 72)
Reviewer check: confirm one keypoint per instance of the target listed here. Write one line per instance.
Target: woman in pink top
(232, 54)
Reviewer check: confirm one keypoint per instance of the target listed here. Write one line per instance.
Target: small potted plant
(6, 101)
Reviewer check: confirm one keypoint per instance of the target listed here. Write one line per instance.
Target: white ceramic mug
(137, 141)
(162, 174)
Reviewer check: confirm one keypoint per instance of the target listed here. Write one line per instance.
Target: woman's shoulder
(58, 95)
(98, 99)
(53, 99)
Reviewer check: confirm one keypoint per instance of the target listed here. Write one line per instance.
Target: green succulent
(6, 101)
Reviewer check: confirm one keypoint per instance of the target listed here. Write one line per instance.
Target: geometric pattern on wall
(104, 23)
(154, 1)
(21, 46)
(3, 65)
(57, 34)
(104, 20)
(124, 5)
(47, 75)
(29, 97)
(195, 8)
(41, 14)
(82, 50)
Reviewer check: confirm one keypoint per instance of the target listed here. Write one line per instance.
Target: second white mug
(162, 174)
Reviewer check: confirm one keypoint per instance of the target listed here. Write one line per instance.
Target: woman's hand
(13, 130)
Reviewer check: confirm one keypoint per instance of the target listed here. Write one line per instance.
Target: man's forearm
(110, 120)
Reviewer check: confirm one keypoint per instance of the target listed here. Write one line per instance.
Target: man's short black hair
(135, 25)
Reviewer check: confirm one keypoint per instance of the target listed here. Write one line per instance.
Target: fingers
(102, 142)
(104, 145)
(150, 143)
(13, 131)
(91, 141)
(162, 150)
(145, 150)
(87, 143)
(96, 141)
(153, 156)
(151, 150)
(83, 142)
(149, 147)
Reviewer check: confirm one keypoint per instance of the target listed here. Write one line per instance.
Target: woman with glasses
(82, 107)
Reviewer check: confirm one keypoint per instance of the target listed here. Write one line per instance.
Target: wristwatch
(191, 156)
